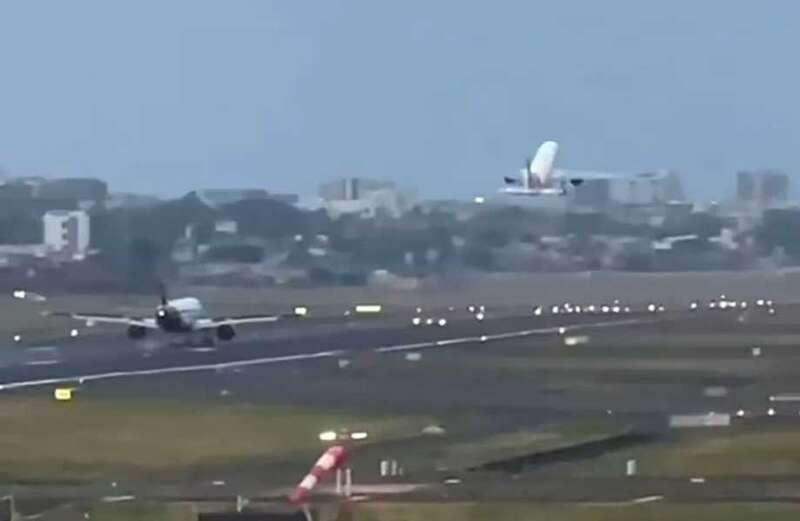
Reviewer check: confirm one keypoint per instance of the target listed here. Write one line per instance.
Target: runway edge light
(63, 394)
(369, 308)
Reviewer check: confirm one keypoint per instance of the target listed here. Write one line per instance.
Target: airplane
(540, 177)
(185, 316)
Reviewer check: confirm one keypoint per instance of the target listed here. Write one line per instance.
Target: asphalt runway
(104, 356)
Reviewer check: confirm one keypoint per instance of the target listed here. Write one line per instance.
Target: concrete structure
(66, 231)
(762, 188)
(380, 202)
(366, 198)
(593, 193)
(352, 188)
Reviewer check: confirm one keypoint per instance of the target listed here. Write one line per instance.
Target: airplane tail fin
(162, 289)
(540, 168)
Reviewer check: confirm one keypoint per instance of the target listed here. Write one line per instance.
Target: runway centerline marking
(221, 366)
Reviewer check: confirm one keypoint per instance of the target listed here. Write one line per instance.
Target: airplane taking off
(185, 316)
(540, 177)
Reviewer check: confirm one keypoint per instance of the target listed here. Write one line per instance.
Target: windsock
(331, 460)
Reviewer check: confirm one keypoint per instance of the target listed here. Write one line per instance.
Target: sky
(446, 96)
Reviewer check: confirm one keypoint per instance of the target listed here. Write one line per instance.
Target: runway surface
(107, 356)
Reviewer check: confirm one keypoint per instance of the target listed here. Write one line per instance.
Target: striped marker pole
(331, 460)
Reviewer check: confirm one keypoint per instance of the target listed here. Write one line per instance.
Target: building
(646, 189)
(762, 188)
(67, 231)
(366, 198)
(352, 188)
(389, 203)
(593, 193)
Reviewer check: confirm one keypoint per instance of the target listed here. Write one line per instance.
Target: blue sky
(446, 95)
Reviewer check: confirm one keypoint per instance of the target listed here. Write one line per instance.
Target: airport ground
(533, 427)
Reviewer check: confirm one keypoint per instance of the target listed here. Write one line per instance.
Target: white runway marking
(303, 357)
(789, 397)
(42, 362)
(117, 499)
(202, 349)
(646, 499)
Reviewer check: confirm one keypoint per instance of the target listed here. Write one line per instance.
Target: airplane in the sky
(185, 316)
(541, 177)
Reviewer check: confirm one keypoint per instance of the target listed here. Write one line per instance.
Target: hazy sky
(447, 95)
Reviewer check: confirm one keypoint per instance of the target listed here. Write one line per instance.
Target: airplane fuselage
(180, 315)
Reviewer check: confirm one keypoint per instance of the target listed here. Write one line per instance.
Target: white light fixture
(328, 436)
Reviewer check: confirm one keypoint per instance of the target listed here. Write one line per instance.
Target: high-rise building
(764, 188)
(352, 188)
(66, 231)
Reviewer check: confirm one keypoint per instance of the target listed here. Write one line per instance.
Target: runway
(105, 357)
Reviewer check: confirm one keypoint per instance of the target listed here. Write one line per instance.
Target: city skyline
(166, 98)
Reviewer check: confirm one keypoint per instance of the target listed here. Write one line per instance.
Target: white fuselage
(539, 176)
(180, 315)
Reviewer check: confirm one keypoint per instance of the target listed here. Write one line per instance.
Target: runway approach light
(770, 412)
(416, 321)
(537, 311)
(605, 309)
(479, 200)
(694, 305)
(73, 333)
(562, 330)
(479, 317)
(328, 436)
(429, 321)
(442, 322)
(760, 302)
(740, 413)
(359, 435)
(300, 311)
(651, 308)
(17, 338)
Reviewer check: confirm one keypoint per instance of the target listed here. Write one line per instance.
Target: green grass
(473, 512)
(729, 453)
(522, 443)
(90, 438)
(565, 512)
(134, 511)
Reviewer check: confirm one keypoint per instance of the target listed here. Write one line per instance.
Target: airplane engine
(225, 332)
(136, 332)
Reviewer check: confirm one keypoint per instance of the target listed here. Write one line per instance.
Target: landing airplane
(540, 177)
(185, 316)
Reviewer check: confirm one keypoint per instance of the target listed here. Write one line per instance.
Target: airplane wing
(104, 318)
(586, 175)
(210, 323)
